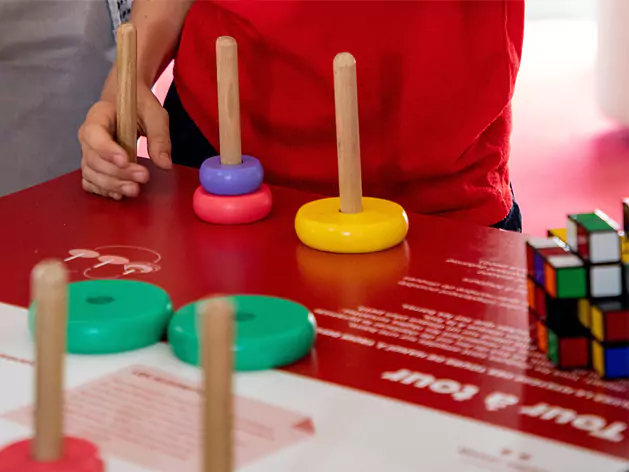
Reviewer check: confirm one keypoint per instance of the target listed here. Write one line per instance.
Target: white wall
(542, 9)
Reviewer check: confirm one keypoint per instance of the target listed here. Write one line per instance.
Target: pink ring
(79, 456)
(232, 210)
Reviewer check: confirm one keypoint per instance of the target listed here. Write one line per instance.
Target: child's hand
(106, 170)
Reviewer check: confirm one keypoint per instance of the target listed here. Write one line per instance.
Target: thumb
(155, 123)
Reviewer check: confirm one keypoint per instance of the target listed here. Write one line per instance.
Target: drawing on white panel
(140, 267)
(147, 254)
(81, 253)
(113, 262)
(107, 260)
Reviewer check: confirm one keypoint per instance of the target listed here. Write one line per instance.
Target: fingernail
(129, 190)
(140, 177)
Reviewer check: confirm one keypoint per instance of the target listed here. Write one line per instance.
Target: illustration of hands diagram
(113, 262)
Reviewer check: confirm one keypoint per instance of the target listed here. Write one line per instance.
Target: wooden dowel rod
(49, 292)
(228, 100)
(127, 99)
(347, 133)
(217, 361)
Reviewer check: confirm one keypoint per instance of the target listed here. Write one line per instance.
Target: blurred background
(539, 9)
(571, 111)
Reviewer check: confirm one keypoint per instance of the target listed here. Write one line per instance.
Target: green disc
(270, 332)
(110, 316)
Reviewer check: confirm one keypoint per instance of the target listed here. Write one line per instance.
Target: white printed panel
(320, 427)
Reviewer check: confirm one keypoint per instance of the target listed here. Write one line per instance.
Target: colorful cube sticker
(530, 292)
(594, 236)
(585, 312)
(559, 233)
(540, 301)
(570, 352)
(610, 320)
(542, 336)
(625, 269)
(553, 347)
(533, 319)
(606, 280)
(611, 361)
(565, 277)
(605, 246)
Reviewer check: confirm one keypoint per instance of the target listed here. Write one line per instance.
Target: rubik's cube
(578, 294)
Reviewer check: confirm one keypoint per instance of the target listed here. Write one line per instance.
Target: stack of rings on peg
(350, 223)
(50, 449)
(232, 191)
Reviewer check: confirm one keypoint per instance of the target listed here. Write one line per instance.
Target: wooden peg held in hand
(127, 99)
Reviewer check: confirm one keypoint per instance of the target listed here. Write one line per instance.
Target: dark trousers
(513, 221)
(191, 148)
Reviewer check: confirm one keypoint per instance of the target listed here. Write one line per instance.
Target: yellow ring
(381, 225)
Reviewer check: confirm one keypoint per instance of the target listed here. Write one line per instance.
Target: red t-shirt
(435, 84)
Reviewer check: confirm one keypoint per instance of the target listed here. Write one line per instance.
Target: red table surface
(199, 259)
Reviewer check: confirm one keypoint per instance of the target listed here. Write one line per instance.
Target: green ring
(112, 316)
(270, 332)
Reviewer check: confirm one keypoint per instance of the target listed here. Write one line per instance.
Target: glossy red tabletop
(383, 318)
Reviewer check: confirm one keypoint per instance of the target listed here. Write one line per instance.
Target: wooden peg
(347, 133)
(217, 360)
(127, 99)
(228, 100)
(49, 291)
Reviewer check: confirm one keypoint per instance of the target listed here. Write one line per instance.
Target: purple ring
(240, 179)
